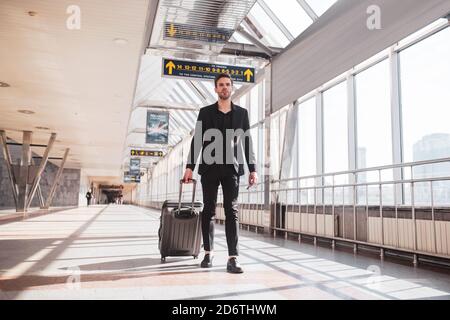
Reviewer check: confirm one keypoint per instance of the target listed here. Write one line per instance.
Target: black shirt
(224, 122)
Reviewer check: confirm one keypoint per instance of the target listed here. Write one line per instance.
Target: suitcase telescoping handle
(181, 190)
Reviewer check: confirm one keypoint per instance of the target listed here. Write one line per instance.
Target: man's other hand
(187, 176)
(252, 179)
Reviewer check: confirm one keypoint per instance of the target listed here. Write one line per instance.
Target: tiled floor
(111, 252)
(9, 215)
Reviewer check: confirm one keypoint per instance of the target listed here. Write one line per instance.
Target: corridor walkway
(111, 252)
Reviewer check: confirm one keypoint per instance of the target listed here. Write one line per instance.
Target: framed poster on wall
(157, 127)
(135, 166)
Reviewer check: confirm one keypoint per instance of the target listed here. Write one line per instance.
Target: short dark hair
(222, 75)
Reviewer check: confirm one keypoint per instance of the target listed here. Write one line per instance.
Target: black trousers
(227, 177)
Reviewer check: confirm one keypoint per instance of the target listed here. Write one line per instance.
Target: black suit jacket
(242, 143)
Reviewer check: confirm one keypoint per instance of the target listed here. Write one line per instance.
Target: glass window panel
(209, 85)
(425, 80)
(307, 137)
(243, 101)
(175, 97)
(254, 134)
(254, 99)
(236, 37)
(261, 114)
(282, 128)
(272, 35)
(425, 83)
(335, 129)
(261, 148)
(185, 96)
(274, 145)
(373, 117)
(320, 6)
(192, 95)
(294, 18)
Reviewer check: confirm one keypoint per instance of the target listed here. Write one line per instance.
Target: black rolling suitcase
(180, 227)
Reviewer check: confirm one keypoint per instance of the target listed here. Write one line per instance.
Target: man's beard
(224, 96)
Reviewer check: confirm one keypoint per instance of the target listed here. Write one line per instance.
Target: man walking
(221, 163)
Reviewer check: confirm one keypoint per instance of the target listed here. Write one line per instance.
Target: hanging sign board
(207, 34)
(146, 153)
(135, 166)
(200, 70)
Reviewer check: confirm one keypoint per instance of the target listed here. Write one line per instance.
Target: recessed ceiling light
(25, 111)
(4, 84)
(120, 41)
(42, 128)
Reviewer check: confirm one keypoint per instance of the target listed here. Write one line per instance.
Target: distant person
(88, 197)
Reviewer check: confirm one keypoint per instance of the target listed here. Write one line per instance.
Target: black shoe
(233, 266)
(207, 261)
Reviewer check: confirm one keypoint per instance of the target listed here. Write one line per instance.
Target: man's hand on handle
(187, 178)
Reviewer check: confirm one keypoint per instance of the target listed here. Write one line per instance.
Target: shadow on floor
(28, 281)
(119, 264)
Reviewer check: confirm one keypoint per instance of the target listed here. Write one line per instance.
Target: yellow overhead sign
(192, 69)
(146, 153)
(180, 31)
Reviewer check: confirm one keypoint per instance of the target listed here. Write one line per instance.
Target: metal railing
(250, 206)
(352, 207)
(156, 201)
(351, 199)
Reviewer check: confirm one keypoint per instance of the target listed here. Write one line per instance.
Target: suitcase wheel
(195, 257)
(163, 259)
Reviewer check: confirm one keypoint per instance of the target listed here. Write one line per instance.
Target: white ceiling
(79, 83)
